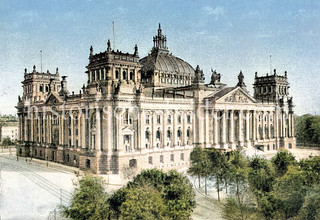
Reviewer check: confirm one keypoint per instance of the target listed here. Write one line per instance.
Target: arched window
(124, 75)
(179, 134)
(188, 133)
(272, 131)
(131, 76)
(168, 134)
(41, 89)
(117, 74)
(260, 131)
(158, 135)
(179, 119)
(93, 120)
(127, 117)
(266, 131)
(169, 119)
(147, 134)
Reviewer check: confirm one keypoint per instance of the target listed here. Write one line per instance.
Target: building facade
(10, 130)
(148, 113)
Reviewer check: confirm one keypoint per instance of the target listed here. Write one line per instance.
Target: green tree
(261, 178)
(89, 200)
(233, 210)
(289, 191)
(6, 142)
(179, 196)
(175, 189)
(115, 201)
(143, 203)
(198, 164)
(238, 165)
(310, 209)
(261, 175)
(282, 160)
(217, 168)
(311, 166)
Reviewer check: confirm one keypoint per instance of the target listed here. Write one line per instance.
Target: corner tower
(271, 88)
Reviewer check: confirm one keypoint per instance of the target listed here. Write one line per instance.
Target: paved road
(30, 191)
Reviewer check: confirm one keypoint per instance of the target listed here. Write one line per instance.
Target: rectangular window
(182, 156)
(150, 160)
(172, 157)
(161, 158)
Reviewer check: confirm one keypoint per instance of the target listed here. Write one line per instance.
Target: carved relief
(236, 97)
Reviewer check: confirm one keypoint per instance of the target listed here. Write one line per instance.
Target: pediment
(53, 100)
(237, 95)
(127, 130)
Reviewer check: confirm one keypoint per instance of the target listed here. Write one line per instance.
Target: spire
(159, 30)
(160, 41)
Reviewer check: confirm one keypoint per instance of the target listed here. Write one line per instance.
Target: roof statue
(109, 46)
(240, 80)
(215, 77)
(199, 76)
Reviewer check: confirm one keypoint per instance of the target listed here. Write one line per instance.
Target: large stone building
(149, 112)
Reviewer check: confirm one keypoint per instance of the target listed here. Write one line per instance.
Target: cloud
(216, 12)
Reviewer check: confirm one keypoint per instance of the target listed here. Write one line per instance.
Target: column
(240, 134)
(247, 125)
(255, 125)
(283, 124)
(31, 127)
(269, 127)
(215, 124)
(153, 130)
(207, 126)
(164, 133)
(98, 130)
(292, 125)
(223, 121)
(231, 131)
(174, 129)
(90, 76)
(83, 129)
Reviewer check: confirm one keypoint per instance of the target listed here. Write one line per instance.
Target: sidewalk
(48, 164)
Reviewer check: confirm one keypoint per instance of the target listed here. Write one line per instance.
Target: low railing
(308, 146)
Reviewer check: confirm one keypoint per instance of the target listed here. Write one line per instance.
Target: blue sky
(228, 36)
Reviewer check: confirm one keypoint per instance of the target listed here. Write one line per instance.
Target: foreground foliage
(89, 200)
(152, 194)
(280, 188)
(170, 193)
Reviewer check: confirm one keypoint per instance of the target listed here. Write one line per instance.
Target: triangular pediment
(53, 99)
(236, 95)
(127, 130)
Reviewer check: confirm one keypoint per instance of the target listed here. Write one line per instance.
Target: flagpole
(41, 59)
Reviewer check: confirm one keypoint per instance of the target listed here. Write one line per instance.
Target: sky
(228, 36)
